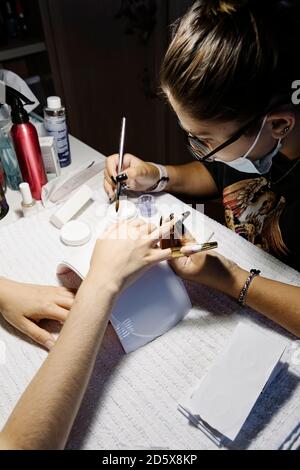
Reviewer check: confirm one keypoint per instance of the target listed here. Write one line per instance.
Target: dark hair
(229, 59)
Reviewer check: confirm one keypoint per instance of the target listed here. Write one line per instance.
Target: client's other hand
(24, 305)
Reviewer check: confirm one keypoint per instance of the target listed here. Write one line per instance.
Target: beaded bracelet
(244, 291)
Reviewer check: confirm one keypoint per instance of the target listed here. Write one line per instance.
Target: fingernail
(113, 179)
(49, 344)
(192, 248)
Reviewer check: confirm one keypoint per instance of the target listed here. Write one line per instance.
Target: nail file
(76, 181)
(72, 206)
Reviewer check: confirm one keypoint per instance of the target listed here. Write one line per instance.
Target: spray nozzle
(16, 100)
(10, 96)
(13, 95)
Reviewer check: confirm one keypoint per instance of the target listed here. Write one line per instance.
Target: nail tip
(49, 344)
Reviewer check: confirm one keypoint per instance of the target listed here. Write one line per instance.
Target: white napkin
(227, 393)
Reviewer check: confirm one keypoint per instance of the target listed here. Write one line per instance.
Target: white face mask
(261, 166)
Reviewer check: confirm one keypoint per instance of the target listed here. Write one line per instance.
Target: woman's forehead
(199, 127)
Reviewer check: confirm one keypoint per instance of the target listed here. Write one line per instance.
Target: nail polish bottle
(28, 204)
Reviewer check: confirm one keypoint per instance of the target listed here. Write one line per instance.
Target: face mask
(261, 166)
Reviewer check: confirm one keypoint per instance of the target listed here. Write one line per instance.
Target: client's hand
(23, 305)
(126, 250)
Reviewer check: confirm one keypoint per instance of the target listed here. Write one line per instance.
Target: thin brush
(120, 163)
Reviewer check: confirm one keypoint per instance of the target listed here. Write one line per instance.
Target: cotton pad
(75, 233)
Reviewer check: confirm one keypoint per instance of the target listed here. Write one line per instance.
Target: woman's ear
(282, 123)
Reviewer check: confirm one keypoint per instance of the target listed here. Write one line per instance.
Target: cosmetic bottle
(7, 153)
(27, 147)
(55, 124)
(28, 204)
(25, 139)
(22, 23)
(10, 20)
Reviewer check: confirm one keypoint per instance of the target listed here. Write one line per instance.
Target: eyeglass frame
(229, 141)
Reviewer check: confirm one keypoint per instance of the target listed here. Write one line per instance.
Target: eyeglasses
(203, 153)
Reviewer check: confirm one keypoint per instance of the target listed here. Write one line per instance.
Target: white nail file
(72, 206)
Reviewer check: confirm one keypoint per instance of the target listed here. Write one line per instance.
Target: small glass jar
(147, 206)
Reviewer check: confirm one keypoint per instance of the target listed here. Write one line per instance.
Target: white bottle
(28, 204)
(55, 124)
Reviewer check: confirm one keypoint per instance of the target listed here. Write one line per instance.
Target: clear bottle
(55, 124)
(8, 156)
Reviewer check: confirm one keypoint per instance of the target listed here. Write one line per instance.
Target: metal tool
(120, 163)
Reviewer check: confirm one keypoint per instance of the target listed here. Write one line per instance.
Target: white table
(80, 153)
(131, 401)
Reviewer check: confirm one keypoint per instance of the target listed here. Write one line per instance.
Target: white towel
(132, 399)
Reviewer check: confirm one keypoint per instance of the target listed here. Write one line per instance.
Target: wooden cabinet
(103, 73)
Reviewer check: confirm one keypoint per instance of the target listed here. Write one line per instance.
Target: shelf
(21, 49)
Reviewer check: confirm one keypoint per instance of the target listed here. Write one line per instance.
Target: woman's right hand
(141, 175)
(211, 269)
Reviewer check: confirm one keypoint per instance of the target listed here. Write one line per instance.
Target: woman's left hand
(126, 250)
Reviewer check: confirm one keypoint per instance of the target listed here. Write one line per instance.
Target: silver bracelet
(244, 291)
(162, 182)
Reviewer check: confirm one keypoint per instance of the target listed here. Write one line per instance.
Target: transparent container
(8, 156)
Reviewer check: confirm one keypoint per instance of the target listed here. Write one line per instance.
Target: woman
(228, 75)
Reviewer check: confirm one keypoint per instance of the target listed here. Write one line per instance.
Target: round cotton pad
(75, 233)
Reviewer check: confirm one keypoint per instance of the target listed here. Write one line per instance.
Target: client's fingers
(36, 333)
(159, 255)
(163, 231)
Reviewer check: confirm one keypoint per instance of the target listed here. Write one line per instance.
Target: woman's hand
(210, 269)
(24, 305)
(140, 175)
(127, 250)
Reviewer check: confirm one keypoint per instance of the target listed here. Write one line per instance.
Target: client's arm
(45, 413)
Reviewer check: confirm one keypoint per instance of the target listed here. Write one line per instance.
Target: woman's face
(214, 135)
